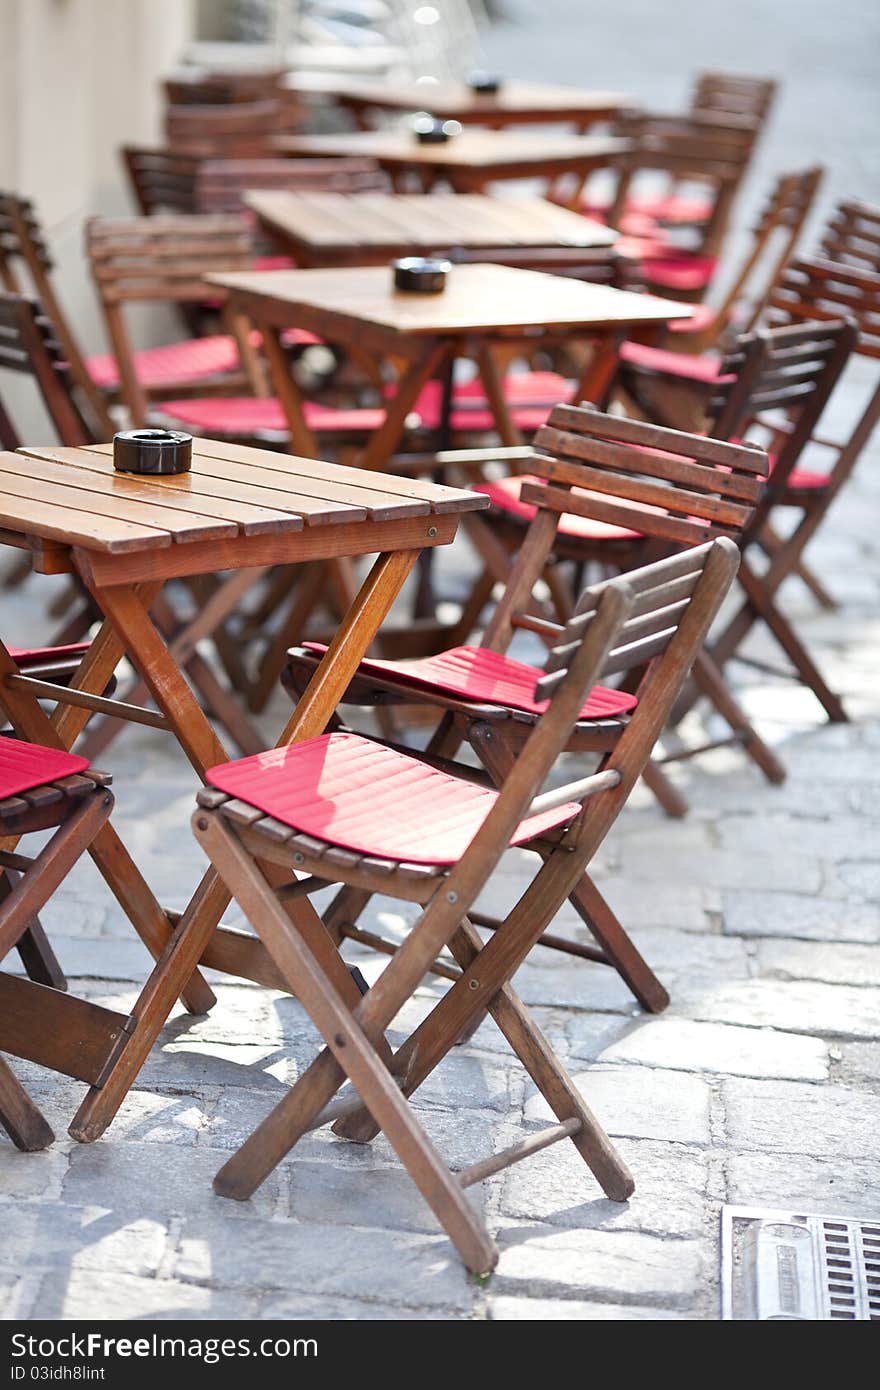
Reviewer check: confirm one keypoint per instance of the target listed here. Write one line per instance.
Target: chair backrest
(203, 87)
(651, 620)
(158, 260)
(792, 377)
(161, 180)
(663, 483)
(814, 289)
(852, 235)
(712, 150)
(774, 237)
(26, 268)
(733, 94)
(29, 345)
(675, 488)
(236, 130)
(220, 184)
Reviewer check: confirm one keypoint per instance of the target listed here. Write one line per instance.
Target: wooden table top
(383, 225)
(477, 298)
(473, 149)
(515, 100)
(234, 503)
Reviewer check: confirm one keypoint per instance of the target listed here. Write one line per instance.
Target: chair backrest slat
(164, 258)
(819, 290)
(30, 345)
(852, 235)
(231, 130)
(734, 94)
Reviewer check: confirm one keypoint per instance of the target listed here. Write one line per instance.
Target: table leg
(596, 378)
(202, 915)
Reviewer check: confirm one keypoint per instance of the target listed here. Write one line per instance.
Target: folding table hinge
(358, 979)
(126, 1029)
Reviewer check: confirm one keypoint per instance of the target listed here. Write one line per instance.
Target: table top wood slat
(387, 224)
(235, 502)
(191, 492)
(341, 498)
(439, 498)
(515, 99)
(474, 149)
(41, 478)
(477, 298)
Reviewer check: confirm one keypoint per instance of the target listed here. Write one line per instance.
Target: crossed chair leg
(352, 1037)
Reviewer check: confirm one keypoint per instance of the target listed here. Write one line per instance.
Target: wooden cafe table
(357, 307)
(515, 103)
(239, 510)
(322, 229)
(468, 162)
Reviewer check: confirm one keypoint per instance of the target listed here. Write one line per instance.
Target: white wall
(79, 78)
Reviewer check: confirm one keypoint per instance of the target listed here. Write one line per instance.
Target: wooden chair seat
(350, 792)
(44, 788)
(477, 674)
(39, 656)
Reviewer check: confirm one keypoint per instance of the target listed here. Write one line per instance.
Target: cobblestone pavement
(761, 1084)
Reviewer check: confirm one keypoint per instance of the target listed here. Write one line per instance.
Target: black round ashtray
(421, 274)
(429, 130)
(484, 83)
(152, 451)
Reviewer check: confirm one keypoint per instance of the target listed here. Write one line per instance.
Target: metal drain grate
(780, 1265)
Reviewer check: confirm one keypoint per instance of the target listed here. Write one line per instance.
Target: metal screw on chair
(202, 823)
(432, 531)
(452, 897)
(299, 858)
(473, 984)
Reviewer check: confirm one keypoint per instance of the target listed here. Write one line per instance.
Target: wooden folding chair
(709, 154)
(810, 298)
(206, 87)
(314, 810)
(852, 235)
(773, 239)
(42, 789)
(669, 490)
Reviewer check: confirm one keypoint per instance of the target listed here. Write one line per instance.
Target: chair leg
(37, 956)
(668, 795)
(19, 1116)
(807, 670)
(355, 1057)
(707, 676)
(773, 543)
(630, 965)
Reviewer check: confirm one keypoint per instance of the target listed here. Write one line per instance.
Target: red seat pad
(696, 367)
(702, 318)
(473, 673)
(657, 208)
(504, 495)
(30, 656)
(163, 366)
(354, 793)
(258, 415)
(27, 765)
(680, 272)
(531, 396)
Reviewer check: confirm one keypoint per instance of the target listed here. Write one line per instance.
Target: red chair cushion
(702, 318)
(163, 366)
(531, 396)
(354, 793)
(680, 272)
(258, 415)
(31, 656)
(657, 208)
(696, 367)
(803, 478)
(486, 677)
(504, 495)
(24, 766)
